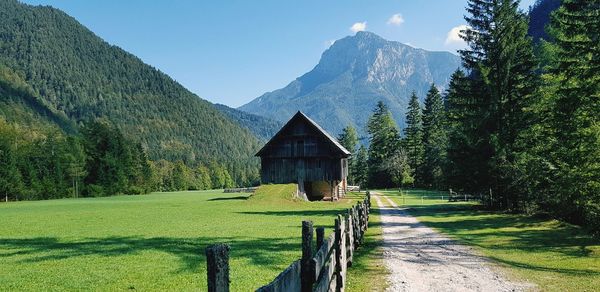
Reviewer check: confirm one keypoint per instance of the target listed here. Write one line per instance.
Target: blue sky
(231, 52)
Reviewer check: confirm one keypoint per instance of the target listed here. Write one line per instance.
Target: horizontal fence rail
(452, 196)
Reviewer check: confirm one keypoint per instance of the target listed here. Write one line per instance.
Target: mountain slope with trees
(79, 77)
(261, 127)
(20, 104)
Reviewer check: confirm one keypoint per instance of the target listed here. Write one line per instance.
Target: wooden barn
(303, 153)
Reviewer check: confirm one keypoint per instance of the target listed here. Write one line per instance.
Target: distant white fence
(353, 188)
(241, 190)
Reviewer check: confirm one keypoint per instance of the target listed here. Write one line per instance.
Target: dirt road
(421, 259)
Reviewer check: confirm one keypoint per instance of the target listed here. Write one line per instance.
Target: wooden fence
(322, 268)
(464, 197)
(325, 269)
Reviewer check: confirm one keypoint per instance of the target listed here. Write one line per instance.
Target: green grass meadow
(553, 255)
(156, 241)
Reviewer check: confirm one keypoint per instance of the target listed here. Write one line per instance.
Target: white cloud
(453, 37)
(328, 43)
(359, 26)
(396, 19)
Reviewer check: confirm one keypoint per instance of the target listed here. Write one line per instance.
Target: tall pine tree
(434, 139)
(384, 141)
(573, 99)
(501, 63)
(361, 167)
(463, 159)
(349, 139)
(413, 136)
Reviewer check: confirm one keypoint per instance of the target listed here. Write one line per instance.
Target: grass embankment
(154, 242)
(553, 255)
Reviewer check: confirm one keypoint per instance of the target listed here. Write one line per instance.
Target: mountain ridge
(352, 75)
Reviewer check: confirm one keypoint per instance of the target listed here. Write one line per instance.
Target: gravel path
(420, 259)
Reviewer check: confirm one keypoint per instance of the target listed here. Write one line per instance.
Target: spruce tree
(361, 168)
(500, 58)
(349, 139)
(573, 91)
(434, 139)
(384, 141)
(413, 136)
(463, 159)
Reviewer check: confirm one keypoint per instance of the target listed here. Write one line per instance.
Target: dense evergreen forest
(58, 75)
(44, 155)
(520, 129)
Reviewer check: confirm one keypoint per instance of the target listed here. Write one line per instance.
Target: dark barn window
(300, 147)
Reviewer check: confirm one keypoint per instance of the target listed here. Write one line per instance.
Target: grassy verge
(368, 272)
(154, 242)
(554, 255)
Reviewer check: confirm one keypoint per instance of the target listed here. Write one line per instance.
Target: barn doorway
(316, 190)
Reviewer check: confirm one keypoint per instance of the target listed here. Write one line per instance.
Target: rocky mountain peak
(352, 75)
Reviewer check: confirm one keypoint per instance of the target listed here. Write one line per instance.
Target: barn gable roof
(321, 131)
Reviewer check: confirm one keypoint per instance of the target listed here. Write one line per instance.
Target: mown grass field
(156, 241)
(553, 255)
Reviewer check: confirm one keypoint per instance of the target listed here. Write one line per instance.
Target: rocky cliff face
(352, 76)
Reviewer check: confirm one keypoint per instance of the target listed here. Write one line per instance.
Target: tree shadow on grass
(238, 198)
(329, 212)
(264, 252)
(566, 271)
(501, 231)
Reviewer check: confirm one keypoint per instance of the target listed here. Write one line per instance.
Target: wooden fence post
(350, 237)
(364, 219)
(307, 272)
(366, 215)
(356, 226)
(320, 237)
(340, 253)
(217, 267)
(360, 224)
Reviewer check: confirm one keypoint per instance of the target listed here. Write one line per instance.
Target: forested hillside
(72, 76)
(262, 127)
(20, 104)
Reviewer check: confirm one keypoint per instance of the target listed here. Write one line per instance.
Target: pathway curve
(421, 259)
